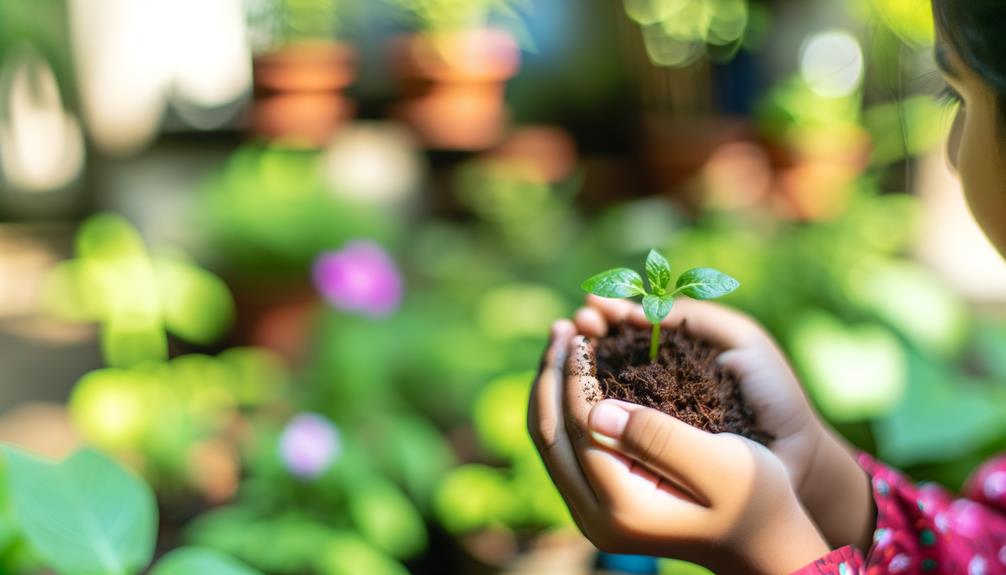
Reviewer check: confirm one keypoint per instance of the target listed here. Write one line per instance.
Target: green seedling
(697, 283)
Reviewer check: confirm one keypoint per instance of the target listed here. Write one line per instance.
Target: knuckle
(647, 435)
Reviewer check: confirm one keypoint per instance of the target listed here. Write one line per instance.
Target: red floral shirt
(923, 529)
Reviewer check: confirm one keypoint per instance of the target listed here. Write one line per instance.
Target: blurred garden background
(275, 275)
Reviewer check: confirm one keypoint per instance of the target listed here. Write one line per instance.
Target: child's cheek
(982, 167)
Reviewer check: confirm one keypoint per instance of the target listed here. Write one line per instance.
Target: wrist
(837, 493)
(780, 545)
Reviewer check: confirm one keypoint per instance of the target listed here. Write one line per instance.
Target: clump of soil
(685, 381)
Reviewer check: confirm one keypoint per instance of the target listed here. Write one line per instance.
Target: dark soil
(685, 382)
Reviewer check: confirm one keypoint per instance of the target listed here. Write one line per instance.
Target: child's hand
(639, 481)
(821, 468)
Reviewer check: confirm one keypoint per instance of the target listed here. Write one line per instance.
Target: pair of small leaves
(697, 283)
(624, 283)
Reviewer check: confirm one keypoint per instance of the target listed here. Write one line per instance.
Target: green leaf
(500, 413)
(198, 306)
(188, 560)
(348, 554)
(616, 283)
(945, 415)
(656, 308)
(475, 496)
(85, 515)
(386, 518)
(658, 271)
(853, 372)
(706, 283)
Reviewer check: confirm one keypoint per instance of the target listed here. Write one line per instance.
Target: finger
(716, 324)
(771, 389)
(698, 461)
(547, 428)
(581, 389)
(544, 415)
(590, 322)
(614, 311)
(618, 481)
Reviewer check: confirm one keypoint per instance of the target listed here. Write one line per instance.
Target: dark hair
(976, 31)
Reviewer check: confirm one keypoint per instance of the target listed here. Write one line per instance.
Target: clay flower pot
(298, 92)
(453, 86)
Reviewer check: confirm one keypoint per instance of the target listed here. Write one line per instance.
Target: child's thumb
(664, 444)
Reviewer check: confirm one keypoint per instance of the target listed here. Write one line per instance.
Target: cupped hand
(820, 466)
(640, 481)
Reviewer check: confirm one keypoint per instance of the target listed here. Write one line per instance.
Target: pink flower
(309, 444)
(361, 277)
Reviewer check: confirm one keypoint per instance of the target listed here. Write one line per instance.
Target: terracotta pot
(819, 183)
(453, 86)
(298, 92)
(278, 319)
(549, 151)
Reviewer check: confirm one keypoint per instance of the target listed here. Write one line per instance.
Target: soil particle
(685, 381)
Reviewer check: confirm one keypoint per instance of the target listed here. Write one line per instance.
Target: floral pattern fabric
(923, 529)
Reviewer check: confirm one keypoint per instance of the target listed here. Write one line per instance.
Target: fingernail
(608, 420)
(554, 332)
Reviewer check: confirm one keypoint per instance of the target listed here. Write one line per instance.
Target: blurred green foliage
(269, 213)
(90, 516)
(137, 298)
(677, 33)
(273, 23)
(430, 402)
(454, 15)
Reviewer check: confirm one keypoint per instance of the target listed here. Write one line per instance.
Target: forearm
(838, 495)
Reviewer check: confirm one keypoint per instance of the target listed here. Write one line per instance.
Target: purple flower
(361, 277)
(308, 445)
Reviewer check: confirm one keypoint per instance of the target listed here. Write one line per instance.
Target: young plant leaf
(658, 271)
(657, 307)
(616, 283)
(706, 283)
(188, 560)
(85, 515)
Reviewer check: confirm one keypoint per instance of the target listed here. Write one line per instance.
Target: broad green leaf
(534, 489)
(616, 283)
(656, 308)
(896, 291)
(112, 407)
(197, 305)
(516, 311)
(658, 271)
(131, 341)
(109, 237)
(944, 416)
(414, 454)
(476, 496)
(386, 517)
(706, 283)
(85, 515)
(854, 373)
(347, 554)
(500, 414)
(189, 560)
